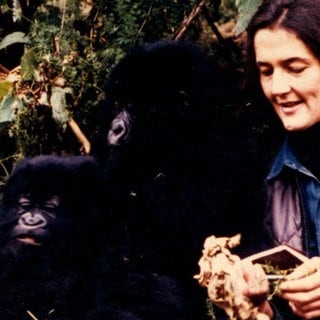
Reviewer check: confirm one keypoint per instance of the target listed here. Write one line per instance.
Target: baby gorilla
(54, 261)
(50, 210)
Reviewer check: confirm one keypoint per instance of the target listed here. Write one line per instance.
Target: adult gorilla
(174, 156)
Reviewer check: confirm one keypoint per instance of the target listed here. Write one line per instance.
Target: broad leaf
(246, 9)
(8, 108)
(28, 64)
(5, 87)
(12, 38)
(59, 104)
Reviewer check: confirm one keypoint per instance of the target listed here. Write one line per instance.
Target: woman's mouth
(290, 107)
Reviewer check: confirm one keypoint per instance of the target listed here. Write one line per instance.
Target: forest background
(56, 54)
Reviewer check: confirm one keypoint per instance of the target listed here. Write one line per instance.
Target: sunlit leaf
(28, 64)
(5, 87)
(12, 38)
(246, 9)
(8, 108)
(59, 104)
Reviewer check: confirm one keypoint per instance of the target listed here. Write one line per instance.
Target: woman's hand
(256, 286)
(302, 289)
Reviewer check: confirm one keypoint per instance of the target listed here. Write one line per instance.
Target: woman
(284, 49)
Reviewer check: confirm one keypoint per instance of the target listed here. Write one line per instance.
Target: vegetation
(56, 54)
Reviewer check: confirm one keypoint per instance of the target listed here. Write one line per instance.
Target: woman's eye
(265, 71)
(297, 69)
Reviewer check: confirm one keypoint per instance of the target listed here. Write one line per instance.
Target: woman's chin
(296, 125)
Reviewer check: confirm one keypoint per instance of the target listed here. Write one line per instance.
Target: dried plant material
(218, 248)
(220, 273)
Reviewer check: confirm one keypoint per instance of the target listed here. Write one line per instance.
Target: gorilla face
(33, 225)
(35, 219)
(49, 204)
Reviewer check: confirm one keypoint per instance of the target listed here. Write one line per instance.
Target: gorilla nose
(117, 132)
(32, 220)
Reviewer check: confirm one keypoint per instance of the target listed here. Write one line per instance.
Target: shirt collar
(286, 158)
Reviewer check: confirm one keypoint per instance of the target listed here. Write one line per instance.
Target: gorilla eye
(53, 203)
(49, 206)
(24, 202)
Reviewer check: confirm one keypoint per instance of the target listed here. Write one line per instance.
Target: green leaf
(8, 108)
(28, 64)
(59, 104)
(12, 38)
(247, 9)
(5, 87)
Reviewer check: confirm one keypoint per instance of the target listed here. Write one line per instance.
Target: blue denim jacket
(293, 207)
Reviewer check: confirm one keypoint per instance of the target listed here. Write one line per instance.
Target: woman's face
(289, 76)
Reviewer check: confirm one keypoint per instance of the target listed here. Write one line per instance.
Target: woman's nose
(280, 83)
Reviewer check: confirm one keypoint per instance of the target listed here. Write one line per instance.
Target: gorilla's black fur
(175, 160)
(54, 261)
(47, 243)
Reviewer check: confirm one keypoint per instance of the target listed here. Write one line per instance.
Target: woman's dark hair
(302, 17)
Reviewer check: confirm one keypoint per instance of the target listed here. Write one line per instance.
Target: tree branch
(188, 20)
